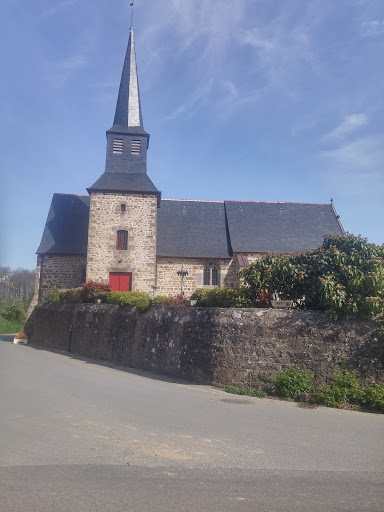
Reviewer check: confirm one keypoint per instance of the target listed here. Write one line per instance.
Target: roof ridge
(67, 194)
(193, 200)
(272, 202)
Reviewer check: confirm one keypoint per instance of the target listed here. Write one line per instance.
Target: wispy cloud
(51, 11)
(373, 28)
(348, 125)
(192, 103)
(357, 165)
(277, 49)
(62, 70)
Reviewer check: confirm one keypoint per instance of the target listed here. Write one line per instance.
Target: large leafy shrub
(140, 300)
(221, 297)
(291, 382)
(345, 276)
(13, 310)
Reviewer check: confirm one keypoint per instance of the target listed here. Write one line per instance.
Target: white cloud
(373, 28)
(347, 126)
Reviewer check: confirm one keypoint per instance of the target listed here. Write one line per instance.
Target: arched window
(210, 274)
(206, 275)
(122, 240)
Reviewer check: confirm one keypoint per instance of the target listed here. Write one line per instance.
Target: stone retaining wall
(211, 345)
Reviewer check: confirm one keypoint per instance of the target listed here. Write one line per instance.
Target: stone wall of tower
(60, 271)
(169, 283)
(140, 220)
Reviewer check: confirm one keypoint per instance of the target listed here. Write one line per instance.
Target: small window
(215, 276)
(122, 208)
(118, 146)
(206, 276)
(210, 275)
(122, 240)
(136, 147)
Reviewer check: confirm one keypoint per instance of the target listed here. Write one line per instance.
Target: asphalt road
(76, 435)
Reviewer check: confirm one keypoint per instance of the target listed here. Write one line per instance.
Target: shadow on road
(7, 337)
(99, 362)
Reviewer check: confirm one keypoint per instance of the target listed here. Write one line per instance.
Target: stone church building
(125, 234)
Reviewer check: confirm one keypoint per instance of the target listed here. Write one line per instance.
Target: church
(124, 233)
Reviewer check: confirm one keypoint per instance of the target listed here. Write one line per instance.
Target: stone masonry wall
(212, 345)
(140, 220)
(169, 283)
(60, 271)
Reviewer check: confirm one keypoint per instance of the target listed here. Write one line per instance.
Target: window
(118, 146)
(206, 275)
(136, 147)
(122, 240)
(122, 207)
(210, 274)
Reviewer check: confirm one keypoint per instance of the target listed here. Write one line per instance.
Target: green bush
(373, 397)
(343, 388)
(221, 298)
(140, 300)
(291, 382)
(71, 295)
(103, 296)
(199, 295)
(13, 310)
(260, 393)
(159, 300)
(344, 276)
(52, 295)
(238, 390)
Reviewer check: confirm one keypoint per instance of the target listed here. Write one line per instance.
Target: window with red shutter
(122, 240)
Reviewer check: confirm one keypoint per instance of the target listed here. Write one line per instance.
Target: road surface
(77, 435)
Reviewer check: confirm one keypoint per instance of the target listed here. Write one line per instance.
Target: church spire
(127, 141)
(128, 108)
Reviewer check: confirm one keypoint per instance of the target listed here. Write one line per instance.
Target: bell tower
(124, 201)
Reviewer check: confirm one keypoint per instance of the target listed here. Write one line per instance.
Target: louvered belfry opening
(118, 146)
(136, 147)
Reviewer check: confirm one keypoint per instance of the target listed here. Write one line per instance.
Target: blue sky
(269, 100)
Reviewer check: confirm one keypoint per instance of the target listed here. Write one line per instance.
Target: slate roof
(128, 113)
(192, 229)
(203, 229)
(124, 182)
(279, 227)
(66, 229)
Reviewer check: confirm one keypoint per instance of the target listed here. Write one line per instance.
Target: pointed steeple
(127, 141)
(128, 108)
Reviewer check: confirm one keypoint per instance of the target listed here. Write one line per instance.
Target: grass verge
(8, 327)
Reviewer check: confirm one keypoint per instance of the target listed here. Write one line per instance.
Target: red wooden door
(120, 281)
